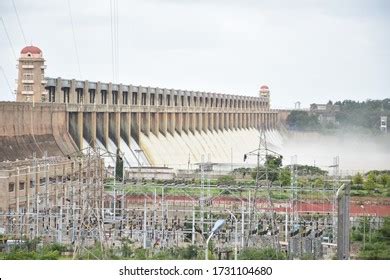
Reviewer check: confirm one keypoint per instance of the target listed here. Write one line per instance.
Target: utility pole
(342, 197)
(144, 227)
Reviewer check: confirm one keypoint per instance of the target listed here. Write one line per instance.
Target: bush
(261, 254)
(226, 180)
(379, 247)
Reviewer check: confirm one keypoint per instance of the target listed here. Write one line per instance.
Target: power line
(113, 57)
(6, 79)
(74, 39)
(9, 39)
(19, 23)
(114, 24)
(117, 40)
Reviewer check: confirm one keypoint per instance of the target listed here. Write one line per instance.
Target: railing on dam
(97, 93)
(159, 109)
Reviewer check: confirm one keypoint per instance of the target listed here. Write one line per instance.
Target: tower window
(66, 95)
(114, 97)
(11, 187)
(134, 98)
(168, 100)
(92, 96)
(104, 97)
(152, 99)
(125, 97)
(28, 87)
(52, 96)
(80, 94)
(28, 76)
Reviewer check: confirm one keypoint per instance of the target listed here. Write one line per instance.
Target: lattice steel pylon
(263, 180)
(90, 217)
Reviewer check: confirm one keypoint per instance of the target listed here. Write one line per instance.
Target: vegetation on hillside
(374, 243)
(302, 120)
(372, 182)
(354, 115)
(364, 114)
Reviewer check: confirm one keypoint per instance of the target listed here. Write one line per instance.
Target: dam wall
(28, 129)
(149, 126)
(159, 136)
(164, 127)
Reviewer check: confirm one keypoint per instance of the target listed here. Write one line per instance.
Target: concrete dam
(150, 126)
(146, 135)
(163, 127)
(28, 130)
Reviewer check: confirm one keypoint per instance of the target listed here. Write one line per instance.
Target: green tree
(370, 182)
(357, 179)
(285, 177)
(319, 182)
(302, 182)
(384, 180)
(273, 164)
(302, 120)
(118, 166)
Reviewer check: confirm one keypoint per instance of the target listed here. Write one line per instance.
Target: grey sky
(310, 51)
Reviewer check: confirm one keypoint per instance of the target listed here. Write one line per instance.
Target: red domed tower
(264, 91)
(265, 96)
(31, 81)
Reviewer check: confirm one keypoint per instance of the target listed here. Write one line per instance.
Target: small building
(383, 125)
(326, 113)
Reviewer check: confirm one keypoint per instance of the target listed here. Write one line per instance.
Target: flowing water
(227, 148)
(224, 147)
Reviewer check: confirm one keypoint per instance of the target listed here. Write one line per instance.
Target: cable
(112, 41)
(74, 39)
(9, 39)
(6, 79)
(114, 24)
(117, 40)
(20, 25)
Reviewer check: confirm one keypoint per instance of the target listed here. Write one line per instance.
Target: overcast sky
(308, 51)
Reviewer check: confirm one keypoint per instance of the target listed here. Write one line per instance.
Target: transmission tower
(91, 217)
(263, 181)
